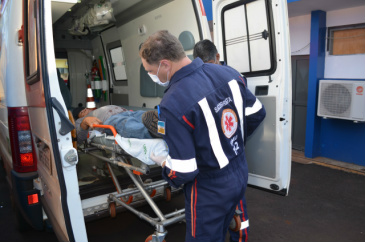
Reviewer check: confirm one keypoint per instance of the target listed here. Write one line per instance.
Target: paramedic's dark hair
(161, 45)
(205, 50)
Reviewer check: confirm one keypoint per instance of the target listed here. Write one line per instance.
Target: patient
(128, 124)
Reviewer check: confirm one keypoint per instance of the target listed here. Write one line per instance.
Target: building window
(346, 40)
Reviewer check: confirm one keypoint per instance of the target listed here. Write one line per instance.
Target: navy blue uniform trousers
(219, 191)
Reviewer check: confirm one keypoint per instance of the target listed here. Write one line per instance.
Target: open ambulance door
(252, 36)
(56, 158)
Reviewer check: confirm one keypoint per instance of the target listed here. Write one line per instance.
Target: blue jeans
(129, 125)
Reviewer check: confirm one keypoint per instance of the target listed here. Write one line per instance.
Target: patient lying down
(137, 130)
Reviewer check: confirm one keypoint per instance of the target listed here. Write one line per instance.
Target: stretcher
(125, 198)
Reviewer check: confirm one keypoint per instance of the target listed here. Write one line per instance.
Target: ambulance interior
(97, 43)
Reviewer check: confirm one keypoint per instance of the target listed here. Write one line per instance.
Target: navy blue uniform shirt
(207, 113)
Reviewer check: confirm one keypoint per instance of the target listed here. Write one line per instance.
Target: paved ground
(324, 205)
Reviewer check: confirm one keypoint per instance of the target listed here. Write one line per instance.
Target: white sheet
(138, 148)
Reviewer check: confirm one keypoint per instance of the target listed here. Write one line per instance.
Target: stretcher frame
(122, 159)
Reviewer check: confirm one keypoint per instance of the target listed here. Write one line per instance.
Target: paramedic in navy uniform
(208, 53)
(205, 117)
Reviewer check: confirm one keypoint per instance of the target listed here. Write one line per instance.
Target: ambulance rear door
(252, 36)
(51, 127)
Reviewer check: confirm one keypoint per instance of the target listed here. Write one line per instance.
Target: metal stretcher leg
(161, 222)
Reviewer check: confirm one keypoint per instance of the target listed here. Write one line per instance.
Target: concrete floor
(324, 205)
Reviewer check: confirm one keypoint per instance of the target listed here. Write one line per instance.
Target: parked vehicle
(50, 180)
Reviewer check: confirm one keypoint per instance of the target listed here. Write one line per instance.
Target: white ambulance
(52, 180)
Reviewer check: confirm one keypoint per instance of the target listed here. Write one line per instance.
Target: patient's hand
(89, 122)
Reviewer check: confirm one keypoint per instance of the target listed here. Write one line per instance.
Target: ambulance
(53, 54)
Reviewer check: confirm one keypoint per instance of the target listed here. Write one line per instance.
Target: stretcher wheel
(149, 239)
(235, 223)
(168, 194)
(112, 210)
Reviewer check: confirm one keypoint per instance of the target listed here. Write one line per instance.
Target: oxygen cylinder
(95, 82)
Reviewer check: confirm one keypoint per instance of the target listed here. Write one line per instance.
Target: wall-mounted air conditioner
(341, 99)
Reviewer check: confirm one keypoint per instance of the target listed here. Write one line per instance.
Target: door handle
(66, 125)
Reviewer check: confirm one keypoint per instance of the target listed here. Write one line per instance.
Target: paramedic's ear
(165, 63)
(217, 57)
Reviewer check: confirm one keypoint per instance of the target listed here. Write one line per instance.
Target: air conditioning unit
(342, 99)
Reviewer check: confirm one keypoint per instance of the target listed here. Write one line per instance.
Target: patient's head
(84, 112)
(80, 112)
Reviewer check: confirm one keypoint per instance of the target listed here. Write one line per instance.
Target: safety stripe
(193, 198)
(254, 109)
(192, 210)
(213, 134)
(238, 102)
(196, 196)
(244, 225)
(183, 166)
(188, 122)
(242, 80)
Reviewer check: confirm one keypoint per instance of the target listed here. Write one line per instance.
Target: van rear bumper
(22, 186)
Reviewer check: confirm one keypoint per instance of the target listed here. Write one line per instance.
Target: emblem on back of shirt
(229, 122)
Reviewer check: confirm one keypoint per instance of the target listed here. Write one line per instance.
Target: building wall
(299, 28)
(333, 138)
(345, 66)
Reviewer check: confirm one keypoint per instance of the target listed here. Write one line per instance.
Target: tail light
(33, 199)
(24, 159)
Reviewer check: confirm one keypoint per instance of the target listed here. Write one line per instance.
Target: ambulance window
(30, 42)
(116, 57)
(248, 37)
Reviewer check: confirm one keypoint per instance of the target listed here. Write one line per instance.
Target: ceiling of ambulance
(64, 14)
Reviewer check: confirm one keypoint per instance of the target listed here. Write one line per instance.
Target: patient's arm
(88, 122)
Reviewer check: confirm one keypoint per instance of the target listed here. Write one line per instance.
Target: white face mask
(157, 80)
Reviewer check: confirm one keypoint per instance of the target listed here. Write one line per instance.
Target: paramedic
(203, 121)
(207, 51)
(129, 124)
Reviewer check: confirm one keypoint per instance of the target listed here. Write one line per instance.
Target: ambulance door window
(248, 37)
(30, 41)
(116, 57)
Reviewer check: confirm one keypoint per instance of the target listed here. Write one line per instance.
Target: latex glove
(88, 122)
(160, 160)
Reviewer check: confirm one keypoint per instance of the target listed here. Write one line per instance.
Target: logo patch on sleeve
(229, 122)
